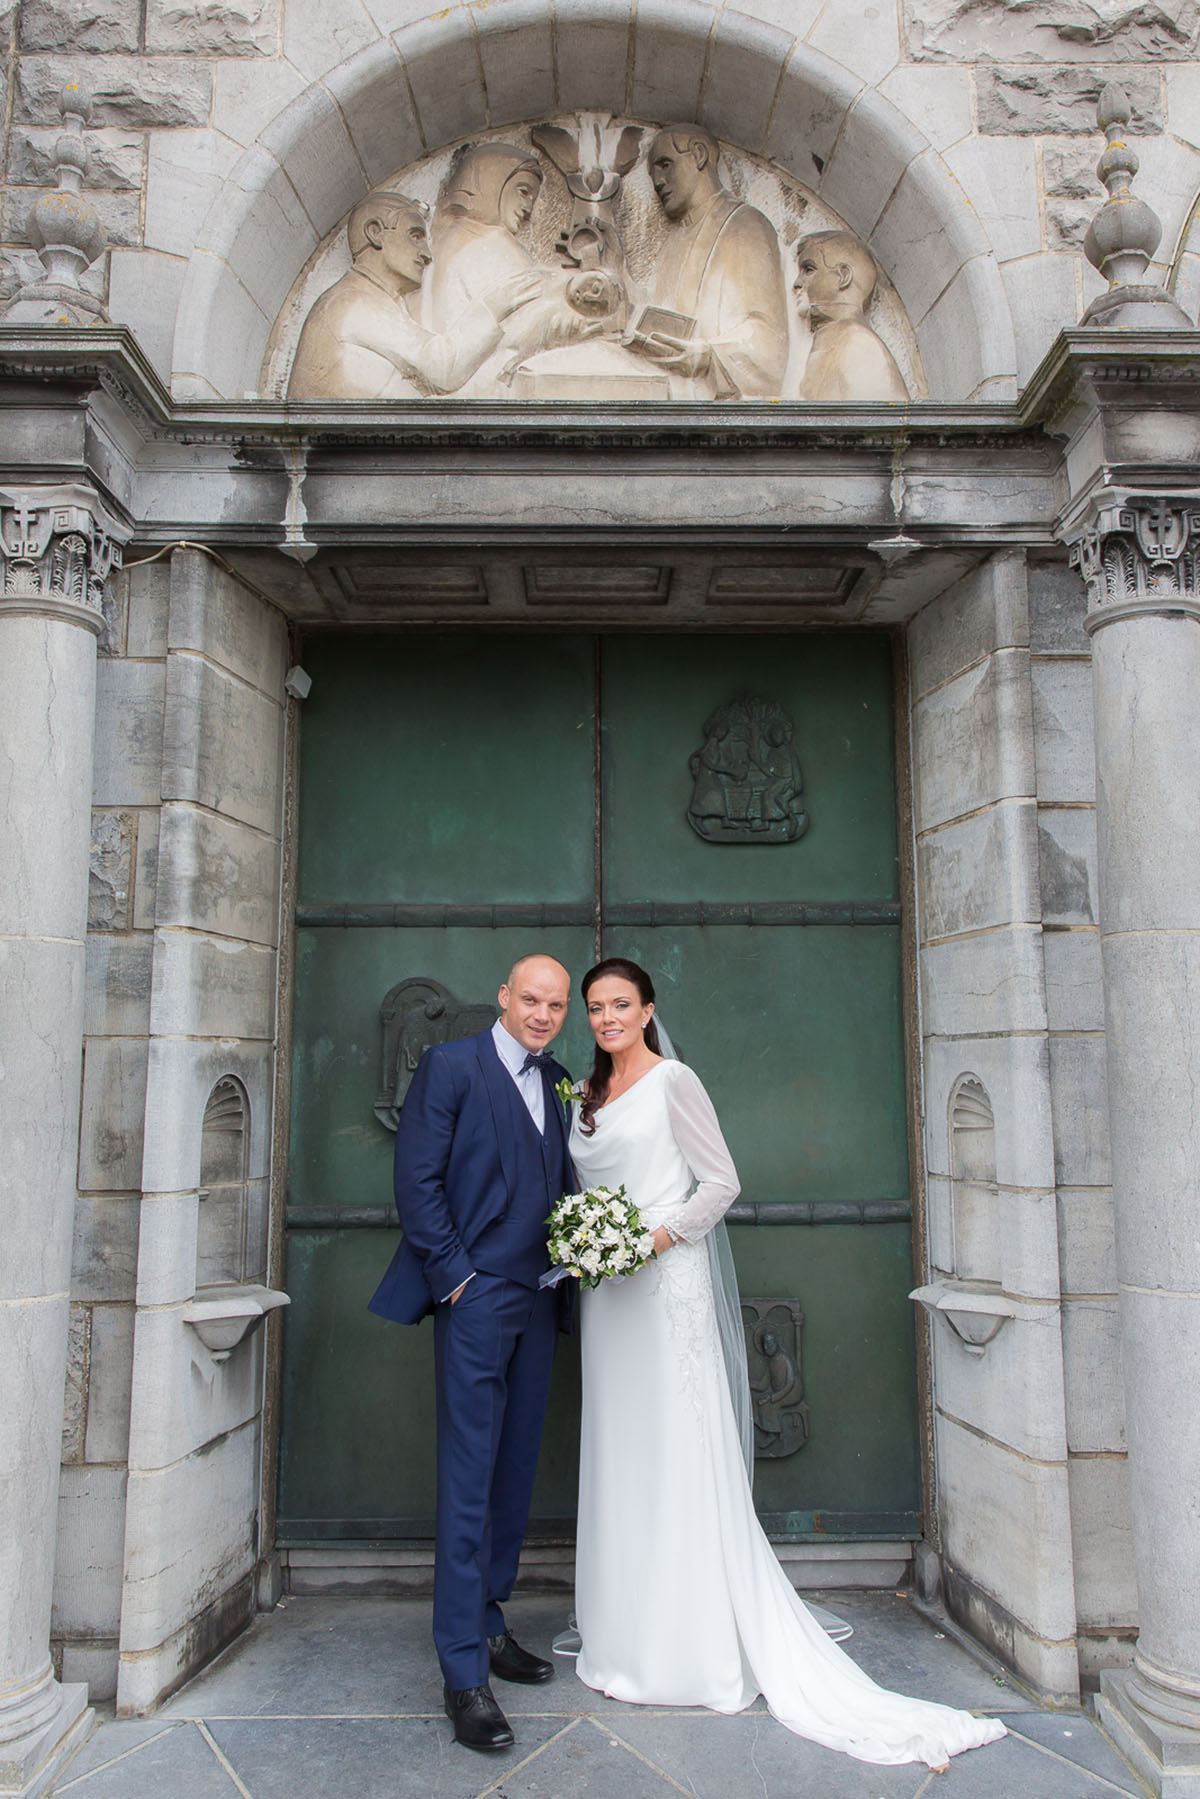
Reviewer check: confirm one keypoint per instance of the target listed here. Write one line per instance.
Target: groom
(481, 1160)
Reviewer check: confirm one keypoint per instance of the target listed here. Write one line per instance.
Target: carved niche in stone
(586, 258)
(415, 1015)
(746, 778)
(773, 1328)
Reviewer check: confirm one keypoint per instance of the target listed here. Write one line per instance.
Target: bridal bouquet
(596, 1235)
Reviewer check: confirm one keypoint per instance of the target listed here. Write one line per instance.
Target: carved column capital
(1139, 554)
(58, 547)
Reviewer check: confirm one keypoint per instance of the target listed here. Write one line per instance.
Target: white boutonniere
(566, 1092)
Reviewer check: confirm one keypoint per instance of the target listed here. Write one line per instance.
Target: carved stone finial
(65, 230)
(1125, 232)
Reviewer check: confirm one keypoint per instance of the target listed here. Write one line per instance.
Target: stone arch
(221, 1245)
(438, 80)
(974, 1224)
(1184, 280)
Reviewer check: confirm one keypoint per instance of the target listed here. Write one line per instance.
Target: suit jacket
(455, 1170)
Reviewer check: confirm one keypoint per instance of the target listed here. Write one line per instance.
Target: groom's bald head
(533, 1000)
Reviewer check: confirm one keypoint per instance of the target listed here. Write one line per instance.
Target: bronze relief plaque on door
(746, 777)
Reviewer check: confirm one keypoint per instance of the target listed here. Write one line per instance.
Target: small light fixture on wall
(297, 682)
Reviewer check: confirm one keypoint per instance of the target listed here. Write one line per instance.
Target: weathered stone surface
(978, 872)
(212, 27)
(184, 173)
(1062, 729)
(222, 743)
(1014, 1392)
(939, 96)
(1072, 192)
(1057, 606)
(80, 25)
(129, 698)
(1074, 981)
(1080, 1094)
(125, 90)
(91, 1537)
(117, 1002)
(1042, 297)
(212, 987)
(1067, 864)
(149, 589)
(79, 1338)
(222, 619)
(1086, 1242)
(104, 1263)
(110, 870)
(217, 875)
(1092, 1362)
(114, 1104)
(984, 611)
(115, 158)
(1102, 1541)
(109, 1383)
(974, 740)
(248, 95)
(1039, 100)
(143, 293)
(1052, 31)
(119, 213)
(989, 982)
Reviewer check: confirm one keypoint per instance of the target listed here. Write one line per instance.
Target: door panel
(448, 796)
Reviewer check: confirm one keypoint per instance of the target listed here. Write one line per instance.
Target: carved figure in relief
(720, 271)
(747, 782)
(488, 200)
(835, 278)
(360, 342)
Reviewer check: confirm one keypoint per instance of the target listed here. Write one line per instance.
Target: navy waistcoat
(515, 1245)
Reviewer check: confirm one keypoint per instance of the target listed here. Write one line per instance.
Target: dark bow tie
(542, 1060)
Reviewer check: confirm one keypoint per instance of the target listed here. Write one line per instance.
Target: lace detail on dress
(685, 1286)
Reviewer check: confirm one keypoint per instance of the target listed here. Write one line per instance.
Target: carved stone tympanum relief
(593, 258)
(746, 781)
(415, 1015)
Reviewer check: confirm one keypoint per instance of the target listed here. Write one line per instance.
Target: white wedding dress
(679, 1597)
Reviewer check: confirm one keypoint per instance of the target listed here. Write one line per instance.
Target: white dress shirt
(529, 1085)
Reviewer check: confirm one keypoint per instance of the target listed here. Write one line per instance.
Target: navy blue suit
(475, 1181)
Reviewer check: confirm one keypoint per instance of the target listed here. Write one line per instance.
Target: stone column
(1141, 560)
(56, 549)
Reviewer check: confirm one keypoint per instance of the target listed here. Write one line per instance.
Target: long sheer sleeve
(698, 1134)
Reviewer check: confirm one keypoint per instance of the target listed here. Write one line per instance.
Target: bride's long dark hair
(596, 1091)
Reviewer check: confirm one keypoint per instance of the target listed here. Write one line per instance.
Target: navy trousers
(493, 1355)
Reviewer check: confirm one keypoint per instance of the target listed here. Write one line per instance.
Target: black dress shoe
(477, 1719)
(511, 1662)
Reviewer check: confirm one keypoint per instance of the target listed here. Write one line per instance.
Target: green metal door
(723, 810)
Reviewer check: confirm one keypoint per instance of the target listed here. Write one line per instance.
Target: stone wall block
(248, 95)
(110, 1384)
(974, 740)
(1062, 730)
(212, 987)
(184, 174)
(910, 236)
(110, 870)
(1016, 1073)
(129, 726)
(1063, 31)
(1080, 1091)
(191, 1529)
(166, 1267)
(939, 1223)
(91, 1541)
(218, 616)
(999, 177)
(1086, 1240)
(1183, 102)
(987, 610)
(219, 876)
(115, 158)
(1057, 609)
(1042, 298)
(126, 90)
(938, 95)
(148, 587)
(114, 1106)
(966, 338)
(1006, 1523)
(979, 872)
(143, 293)
(182, 1075)
(591, 58)
(990, 981)
(1069, 179)
(669, 52)
(235, 28)
(312, 146)
(445, 76)
(1040, 101)
(746, 58)
(320, 34)
(516, 52)
(814, 96)
(75, 1392)
(104, 1261)
(1014, 1391)
(865, 38)
(1074, 980)
(185, 1399)
(223, 743)
(145, 874)
(1067, 864)
(373, 98)
(1092, 1364)
(1102, 1541)
(119, 213)
(76, 25)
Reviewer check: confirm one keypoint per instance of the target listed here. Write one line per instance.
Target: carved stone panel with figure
(415, 1015)
(746, 781)
(773, 1328)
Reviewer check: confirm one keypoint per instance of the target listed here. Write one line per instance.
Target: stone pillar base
(1167, 1756)
(30, 1765)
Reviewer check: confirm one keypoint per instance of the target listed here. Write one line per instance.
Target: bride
(679, 1597)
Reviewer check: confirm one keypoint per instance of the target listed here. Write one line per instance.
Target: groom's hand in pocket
(458, 1293)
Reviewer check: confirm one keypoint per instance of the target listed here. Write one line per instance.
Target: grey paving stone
(371, 1758)
(1079, 1740)
(1015, 1767)
(715, 1758)
(113, 1737)
(588, 1761)
(902, 1650)
(179, 1761)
